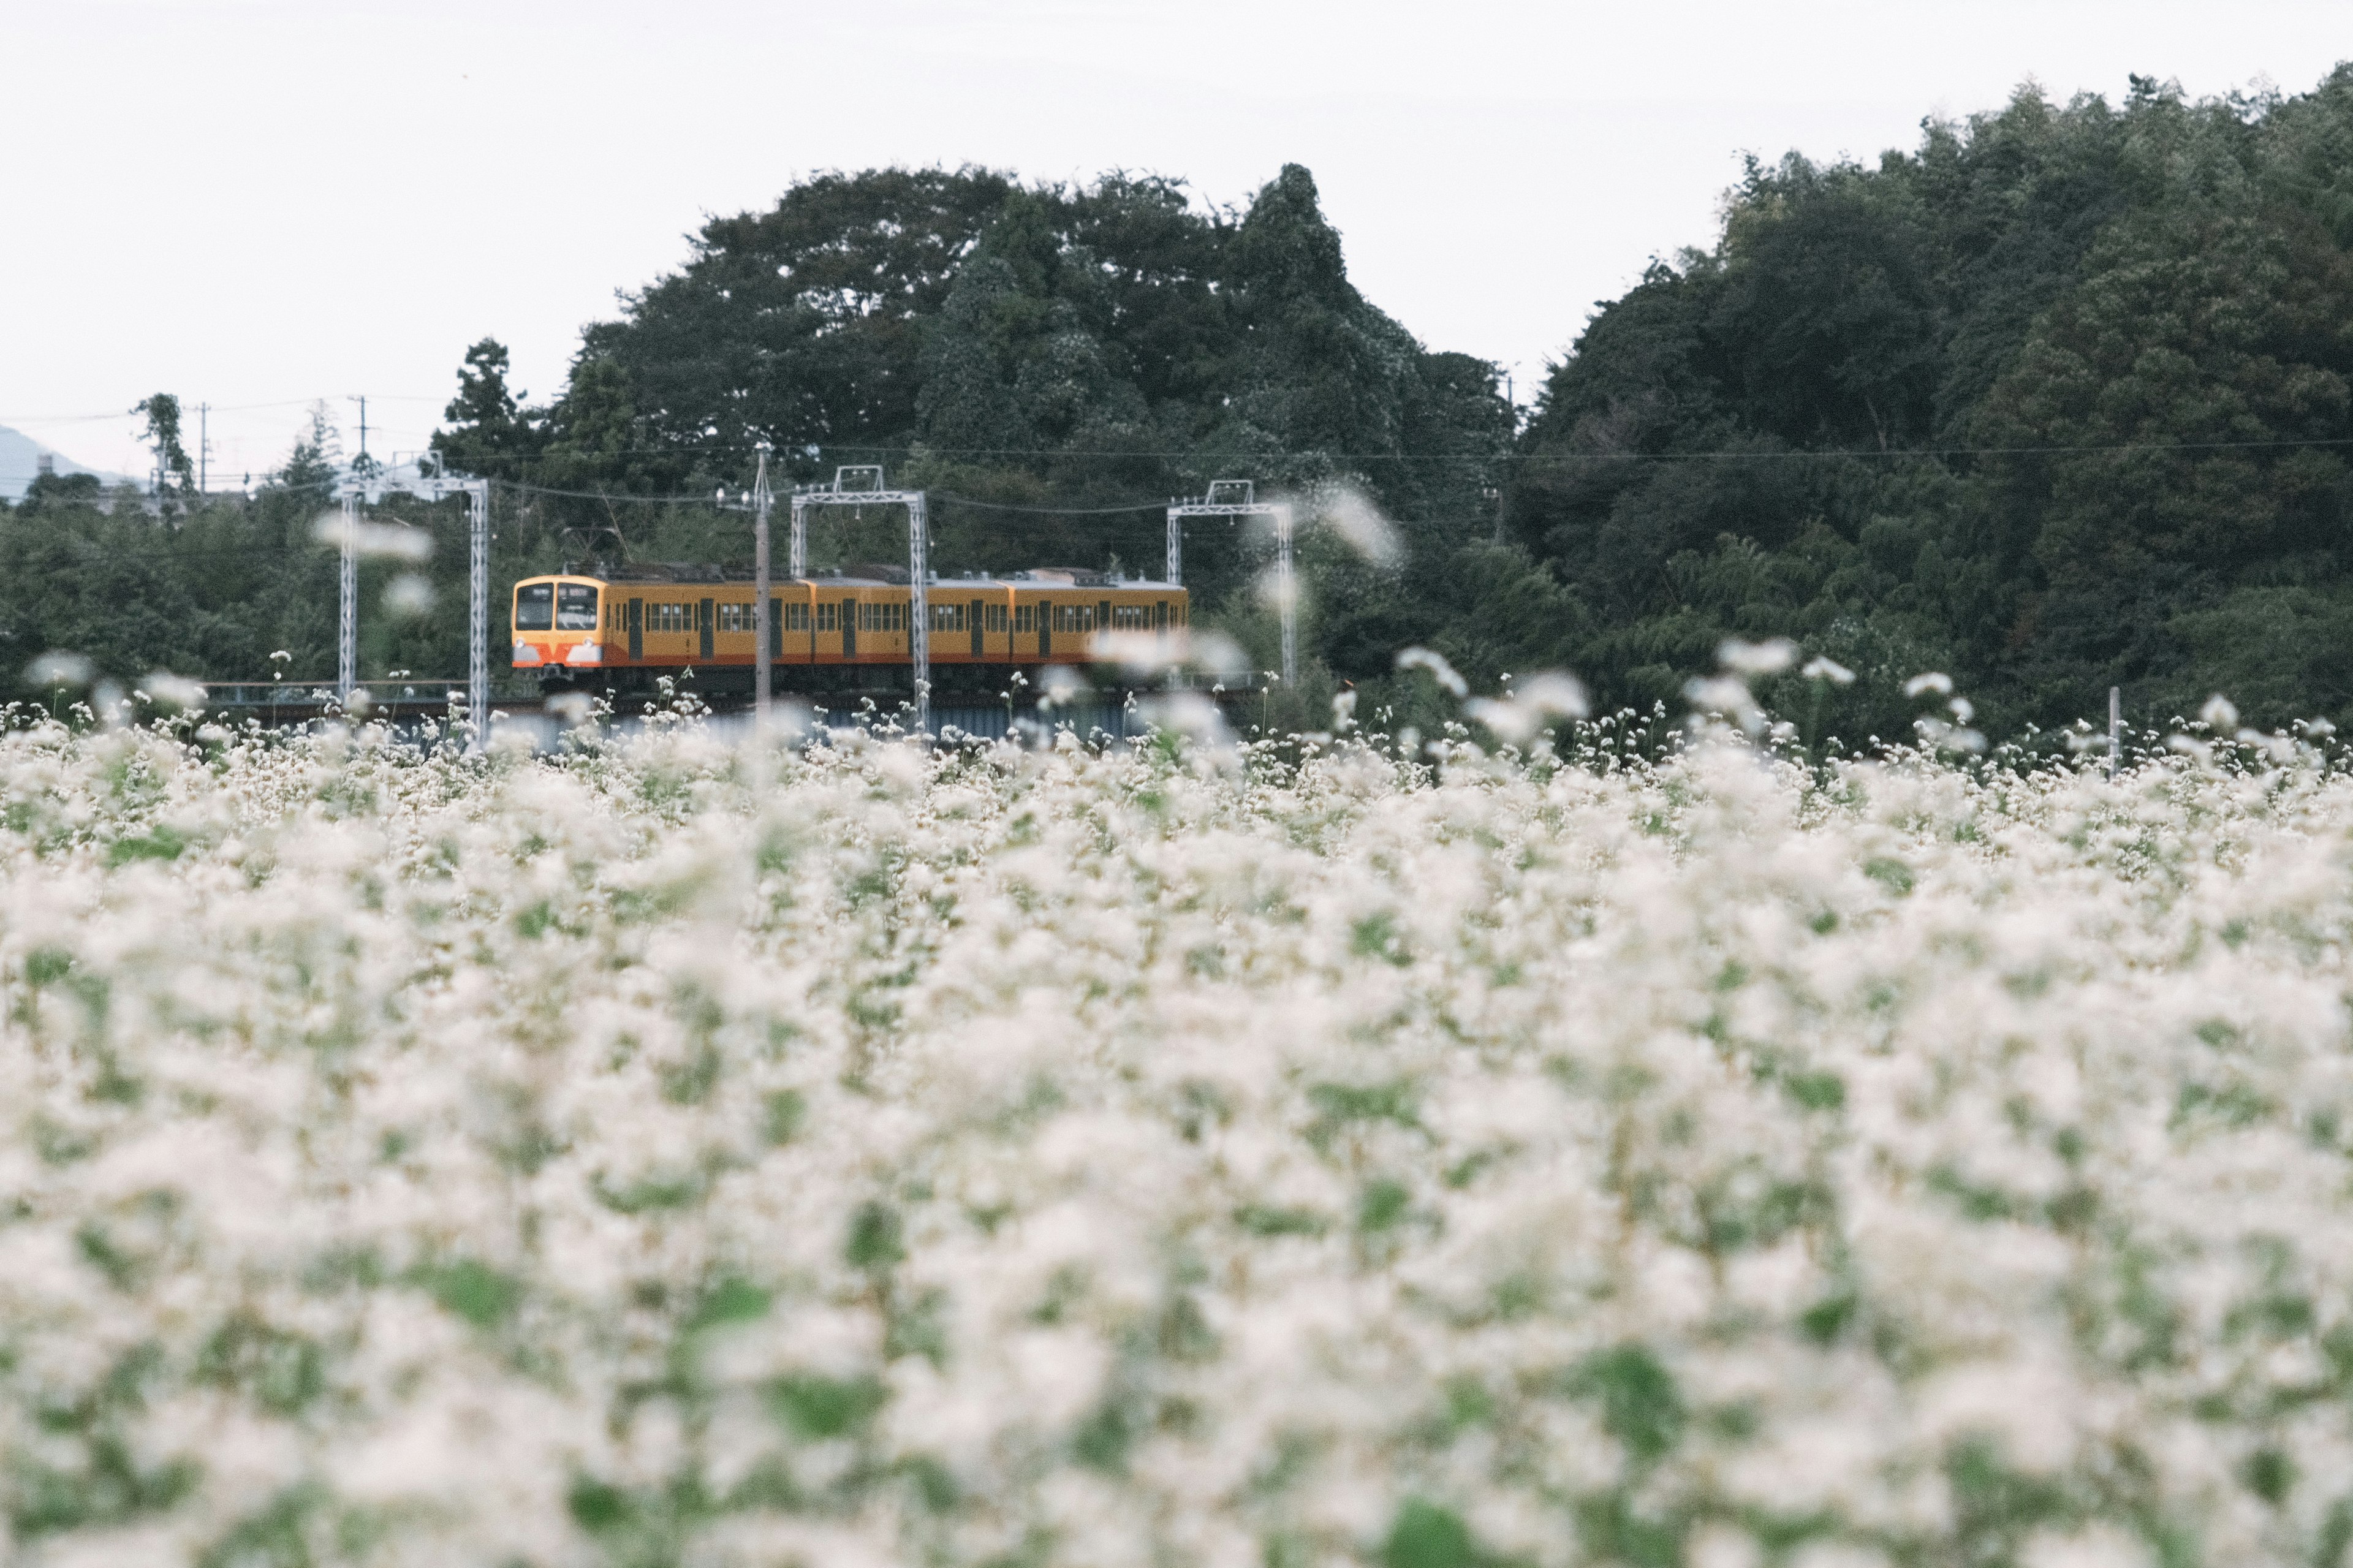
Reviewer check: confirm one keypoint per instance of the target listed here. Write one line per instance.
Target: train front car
(558, 628)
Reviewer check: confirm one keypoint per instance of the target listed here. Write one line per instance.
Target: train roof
(866, 574)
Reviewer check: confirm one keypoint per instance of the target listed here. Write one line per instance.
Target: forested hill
(2084, 371)
(2055, 401)
(1050, 346)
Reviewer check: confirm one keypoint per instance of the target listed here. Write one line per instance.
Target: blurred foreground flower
(1191, 1151)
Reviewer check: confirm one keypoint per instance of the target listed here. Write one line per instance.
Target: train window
(535, 607)
(797, 617)
(1074, 617)
(828, 618)
(731, 617)
(992, 619)
(947, 618)
(1025, 617)
(575, 607)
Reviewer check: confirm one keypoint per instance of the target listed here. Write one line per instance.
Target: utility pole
(361, 398)
(204, 446)
(2116, 729)
(477, 612)
(347, 622)
(764, 501)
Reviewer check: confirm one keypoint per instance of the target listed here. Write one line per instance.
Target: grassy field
(1182, 1155)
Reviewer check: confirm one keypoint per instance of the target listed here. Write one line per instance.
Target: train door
(637, 629)
(705, 616)
(1045, 628)
(850, 628)
(776, 627)
(977, 606)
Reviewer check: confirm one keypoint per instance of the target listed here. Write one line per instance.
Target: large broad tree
(1040, 345)
(802, 325)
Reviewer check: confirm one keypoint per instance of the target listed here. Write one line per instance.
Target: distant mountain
(20, 461)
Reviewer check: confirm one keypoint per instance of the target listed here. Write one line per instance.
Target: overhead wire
(615, 497)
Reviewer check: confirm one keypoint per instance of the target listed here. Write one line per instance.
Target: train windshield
(535, 607)
(576, 608)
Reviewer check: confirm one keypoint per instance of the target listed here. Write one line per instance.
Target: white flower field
(1164, 1155)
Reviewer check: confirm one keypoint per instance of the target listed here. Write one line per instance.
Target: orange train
(587, 630)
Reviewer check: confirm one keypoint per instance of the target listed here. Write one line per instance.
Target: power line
(521, 486)
(1792, 454)
(1052, 511)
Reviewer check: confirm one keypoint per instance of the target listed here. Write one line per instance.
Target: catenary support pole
(1287, 589)
(796, 554)
(919, 611)
(763, 673)
(347, 623)
(2115, 729)
(1234, 501)
(477, 612)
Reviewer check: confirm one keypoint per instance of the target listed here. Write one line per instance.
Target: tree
(802, 325)
(488, 433)
(163, 433)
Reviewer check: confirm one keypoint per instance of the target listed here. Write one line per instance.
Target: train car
(623, 629)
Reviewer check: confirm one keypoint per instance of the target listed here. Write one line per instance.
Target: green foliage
(2053, 403)
(1428, 1536)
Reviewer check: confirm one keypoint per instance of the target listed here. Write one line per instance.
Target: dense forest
(2056, 400)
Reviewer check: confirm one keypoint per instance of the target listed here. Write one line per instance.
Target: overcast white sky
(259, 203)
